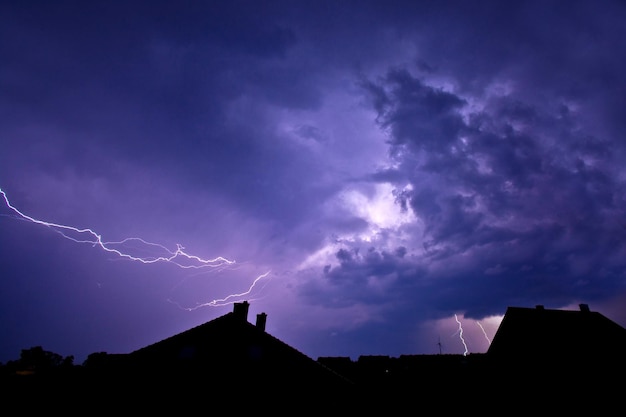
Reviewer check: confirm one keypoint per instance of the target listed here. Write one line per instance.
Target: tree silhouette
(36, 360)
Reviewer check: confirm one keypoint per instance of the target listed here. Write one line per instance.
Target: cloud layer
(391, 165)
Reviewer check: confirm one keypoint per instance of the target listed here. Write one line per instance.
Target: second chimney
(261, 318)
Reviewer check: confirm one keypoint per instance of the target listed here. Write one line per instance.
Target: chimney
(584, 308)
(539, 307)
(260, 321)
(240, 310)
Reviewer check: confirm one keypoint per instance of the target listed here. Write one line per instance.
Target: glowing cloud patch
(380, 209)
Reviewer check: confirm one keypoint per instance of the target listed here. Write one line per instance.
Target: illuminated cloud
(393, 165)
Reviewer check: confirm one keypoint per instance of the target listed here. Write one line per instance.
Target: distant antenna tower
(439, 344)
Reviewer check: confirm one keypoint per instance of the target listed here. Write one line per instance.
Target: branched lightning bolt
(121, 248)
(177, 257)
(461, 334)
(227, 300)
(484, 332)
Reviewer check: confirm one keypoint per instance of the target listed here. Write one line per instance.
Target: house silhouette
(567, 360)
(229, 348)
(216, 358)
(540, 360)
(572, 339)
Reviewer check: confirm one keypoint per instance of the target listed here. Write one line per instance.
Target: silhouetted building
(221, 354)
(539, 359)
(548, 342)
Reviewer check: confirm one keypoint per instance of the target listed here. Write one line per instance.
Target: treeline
(37, 360)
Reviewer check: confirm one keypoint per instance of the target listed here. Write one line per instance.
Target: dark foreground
(487, 390)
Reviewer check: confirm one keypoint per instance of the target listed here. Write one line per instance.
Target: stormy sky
(378, 177)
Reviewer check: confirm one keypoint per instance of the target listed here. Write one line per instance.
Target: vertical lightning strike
(484, 332)
(461, 334)
(122, 248)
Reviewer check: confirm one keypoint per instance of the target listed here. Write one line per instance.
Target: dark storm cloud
(394, 163)
(159, 58)
(520, 190)
(171, 87)
(416, 115)
(515, 174)
(367, 275)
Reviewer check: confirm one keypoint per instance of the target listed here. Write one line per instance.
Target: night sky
(379, 177)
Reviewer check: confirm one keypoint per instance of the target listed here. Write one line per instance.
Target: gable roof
(540, 334)
(229, 348)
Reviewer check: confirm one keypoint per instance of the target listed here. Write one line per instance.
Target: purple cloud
(392, 165)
